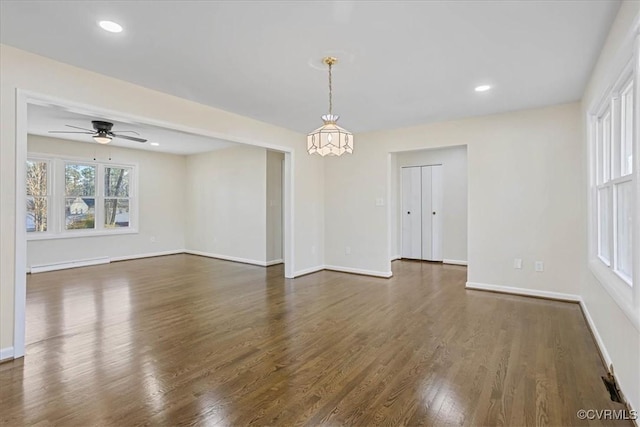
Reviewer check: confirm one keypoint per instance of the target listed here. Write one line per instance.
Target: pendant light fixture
(330, 139)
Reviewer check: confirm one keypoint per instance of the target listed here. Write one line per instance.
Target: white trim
(147, 255)
(6, 353)
(396, 257)
(522, 291)
(306, 271)
(385, 274)
(77, 234)
(454, 262)
(20, 266)
(68, 264)
(273, 262)
(227, 257)
(596, 334)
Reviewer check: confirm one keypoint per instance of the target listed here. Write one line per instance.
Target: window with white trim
(73, 198)
(612, 133)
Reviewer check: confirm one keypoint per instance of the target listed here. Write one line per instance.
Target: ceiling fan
(102, 132)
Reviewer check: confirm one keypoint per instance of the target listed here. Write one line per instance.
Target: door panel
(427, 252)
(436, 213)
(411, 219)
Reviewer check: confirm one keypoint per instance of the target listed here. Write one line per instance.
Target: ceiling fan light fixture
(330, 139)
(102, 138)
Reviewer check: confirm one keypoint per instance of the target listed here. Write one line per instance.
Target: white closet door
(426, 213)
(436, 213)
(411, 209)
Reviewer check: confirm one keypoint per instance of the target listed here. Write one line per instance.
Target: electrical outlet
(152, 239)
(313, 249)
(379, 201)
(517, 263)
(539, 266)
(347, 250)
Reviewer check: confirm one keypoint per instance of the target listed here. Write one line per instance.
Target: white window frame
(56, 209)
(624, 290)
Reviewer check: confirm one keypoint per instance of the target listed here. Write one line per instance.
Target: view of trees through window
(116, 201)
(80, 192)
(85, 190)
(37, 195)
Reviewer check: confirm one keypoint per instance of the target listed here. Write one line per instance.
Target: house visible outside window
(80, 196)
(75, 198)
(37, 195)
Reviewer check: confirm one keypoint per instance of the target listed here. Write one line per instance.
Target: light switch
(517, 263)
(539, 266)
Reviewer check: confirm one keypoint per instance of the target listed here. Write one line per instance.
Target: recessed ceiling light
(112, 27)
(155, 144)
(483, 88)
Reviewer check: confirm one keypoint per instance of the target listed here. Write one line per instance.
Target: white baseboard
(147, 255)
(596, 334)
(396, 257)
(454, 261)
(68, 264)
(274, 262)
(522, 291)
(385, 274)
(308, 271)
(6, 353)
(227, 258)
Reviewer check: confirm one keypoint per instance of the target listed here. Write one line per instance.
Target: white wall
(29, 72)
(226, 195)
(524, 196)
(274, 206)
(454, 203)
(161, 181)
(618, 332)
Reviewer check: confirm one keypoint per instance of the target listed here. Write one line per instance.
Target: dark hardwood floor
(187, 340)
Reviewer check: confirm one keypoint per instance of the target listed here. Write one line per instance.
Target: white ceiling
(42, 119)
(401, 63)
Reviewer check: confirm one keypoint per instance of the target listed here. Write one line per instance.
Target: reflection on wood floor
(182, 339)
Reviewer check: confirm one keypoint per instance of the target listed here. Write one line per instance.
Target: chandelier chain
(330, 91)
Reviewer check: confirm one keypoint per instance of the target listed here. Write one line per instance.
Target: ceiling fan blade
(125, 131)
(131, 138)
(67, 131)
(76, 127)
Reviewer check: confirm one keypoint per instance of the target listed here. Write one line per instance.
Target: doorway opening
(26, 99)
(428, 205)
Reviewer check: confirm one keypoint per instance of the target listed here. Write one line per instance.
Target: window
(614, 179)
(37, 195)
(72, 198)
(116, 197)
(80, 196)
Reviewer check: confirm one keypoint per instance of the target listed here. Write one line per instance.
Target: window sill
(620, 291)
(78, 234)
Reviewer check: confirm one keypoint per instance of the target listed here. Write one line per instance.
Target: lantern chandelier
(330, 139)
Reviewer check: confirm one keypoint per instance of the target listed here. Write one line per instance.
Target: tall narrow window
(37, 195)
(116, 196)
(80, 196)
(614, 198)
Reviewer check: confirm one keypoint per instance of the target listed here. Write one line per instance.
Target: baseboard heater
(69, 264)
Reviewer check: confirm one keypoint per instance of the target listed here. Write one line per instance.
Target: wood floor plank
(188, 340)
